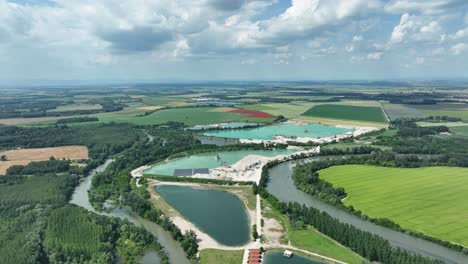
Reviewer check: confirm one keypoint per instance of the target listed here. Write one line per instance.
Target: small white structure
(287, 254)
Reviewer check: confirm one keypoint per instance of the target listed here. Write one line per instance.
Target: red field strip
(252, 113)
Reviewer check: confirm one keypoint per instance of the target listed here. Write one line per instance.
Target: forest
(38, 226)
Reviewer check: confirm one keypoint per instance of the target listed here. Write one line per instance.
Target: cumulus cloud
(462, 33)
(424, 6)
(420, 60)
(375, 56)
(306, 17)
(415, 28)
(104, 32)
(358, 38)
(459, 48)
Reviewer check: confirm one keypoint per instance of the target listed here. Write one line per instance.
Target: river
(172, 248)
(282, 186)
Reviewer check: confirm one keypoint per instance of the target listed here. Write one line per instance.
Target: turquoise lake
(219, 214)
(276, 257)
(208, 160)
(284, 129)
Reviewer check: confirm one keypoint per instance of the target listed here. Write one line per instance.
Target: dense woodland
(36, 106)
(38, 226)
(102, 140)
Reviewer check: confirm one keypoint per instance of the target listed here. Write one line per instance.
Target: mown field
(213, 256)
(347, 112)
(430, 200)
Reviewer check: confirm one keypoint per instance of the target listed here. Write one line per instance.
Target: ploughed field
(430, 200)
(348, 112)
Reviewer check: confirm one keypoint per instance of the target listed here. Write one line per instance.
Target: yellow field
(25, 156)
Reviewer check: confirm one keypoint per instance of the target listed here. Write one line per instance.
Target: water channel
(282, 186)
(172, 248)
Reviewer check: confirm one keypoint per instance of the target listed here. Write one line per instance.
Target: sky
(215, 40)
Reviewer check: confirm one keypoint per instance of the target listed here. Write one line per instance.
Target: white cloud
(415, 28)
(423, 6)
(305, 17)
(438, 51)
(374, 55)
(459, 48)
(462, 33)
(358, 38)
(420, 60)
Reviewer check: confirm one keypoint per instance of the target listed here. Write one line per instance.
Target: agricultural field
(347, 112)
(189, 116)
(430, 200)
(75, 107)
(25, 156)
(212, 256)
(446, 109)
(395, 111)
(288, 110)
(447, 124)
(460, 131)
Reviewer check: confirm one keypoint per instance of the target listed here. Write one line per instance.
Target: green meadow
(348, 112)
(430, 200)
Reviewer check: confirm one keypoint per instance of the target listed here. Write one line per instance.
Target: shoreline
(205, 240)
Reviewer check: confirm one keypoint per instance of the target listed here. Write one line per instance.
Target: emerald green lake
(208, 160)
(276, 257)
(219, 214)
(283, 129)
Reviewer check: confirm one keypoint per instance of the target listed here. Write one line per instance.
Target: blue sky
(183, 40)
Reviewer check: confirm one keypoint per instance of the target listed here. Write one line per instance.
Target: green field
(288, 110)
(215, 256)
(76, 107)
(460, 131)
(348, 112)
(431, 200)
(447, 109)
(311, 240)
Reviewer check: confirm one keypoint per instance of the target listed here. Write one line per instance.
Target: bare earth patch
(22, 121)
(25, 156)
(272, 231)
(150, 108)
